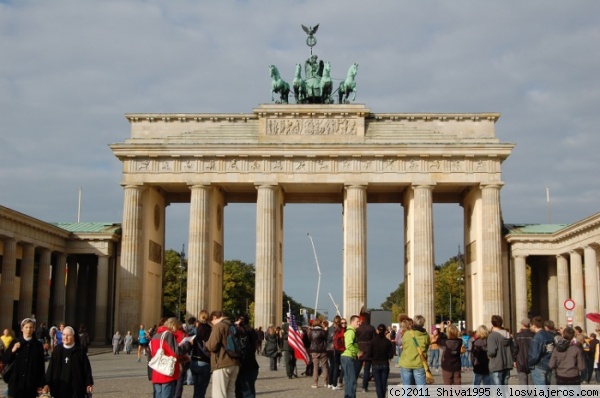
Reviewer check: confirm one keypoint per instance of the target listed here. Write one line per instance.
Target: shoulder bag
(161, 362)
(428, 376)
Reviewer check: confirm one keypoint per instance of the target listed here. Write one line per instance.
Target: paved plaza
(121, 376)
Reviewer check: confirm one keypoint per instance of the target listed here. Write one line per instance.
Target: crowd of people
(214, 347)
(540, 354)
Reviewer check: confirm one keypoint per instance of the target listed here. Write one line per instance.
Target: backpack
(236, 343)
(339, 344)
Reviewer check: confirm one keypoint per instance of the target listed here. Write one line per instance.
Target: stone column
(520, 277)
(491, 252)
(553, 305)
(100, 332)
(199, 250)
(355, 250)
(424, 266)
(130, 283)
(26, 290)
(577, 288)
(266, 257)
(591, 284)
(562, 278)
(43, 287)
(59, 289)
(71, 301)
(7, 288)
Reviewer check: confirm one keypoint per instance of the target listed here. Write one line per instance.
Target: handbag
(7, 372)
(161, 362)
(428, 376)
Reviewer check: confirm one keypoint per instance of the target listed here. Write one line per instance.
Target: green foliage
(448, 288)
(238, 287)
(173, 278)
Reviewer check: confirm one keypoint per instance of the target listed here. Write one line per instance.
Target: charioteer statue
(317, 86)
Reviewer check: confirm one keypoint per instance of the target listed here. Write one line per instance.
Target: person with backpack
(245, 385)
(540, 351)
(225, 368)
(200, 363)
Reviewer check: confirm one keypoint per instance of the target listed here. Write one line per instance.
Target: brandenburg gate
(309, 153)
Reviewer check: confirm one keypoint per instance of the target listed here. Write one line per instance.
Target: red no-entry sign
(569, 304)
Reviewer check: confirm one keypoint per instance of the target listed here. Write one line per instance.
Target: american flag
(295, 341)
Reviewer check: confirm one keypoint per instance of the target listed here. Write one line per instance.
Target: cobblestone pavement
(121, 376)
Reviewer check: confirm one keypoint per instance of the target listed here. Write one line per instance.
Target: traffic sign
(569, 304)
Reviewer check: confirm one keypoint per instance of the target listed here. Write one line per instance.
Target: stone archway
(309, 153)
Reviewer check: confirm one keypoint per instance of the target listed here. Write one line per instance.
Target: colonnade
(205, 250)
(571, 274)
(48, 273)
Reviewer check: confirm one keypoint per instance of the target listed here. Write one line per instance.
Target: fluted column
(131, 262)
(266, 257)
(553, 304)
(424, 283)
(577, 288)
(199, 250)
(562, 278)
(355, 249)
(59, 289)
(26, 289)
(492, 283)
(100, 332)
(43, 286)
(71, 302)
(520, 277)
(7, 289)
(591, 284)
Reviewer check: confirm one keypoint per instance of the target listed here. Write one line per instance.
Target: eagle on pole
(310, 31)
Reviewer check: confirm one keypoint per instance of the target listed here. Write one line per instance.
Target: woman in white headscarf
(69, 373)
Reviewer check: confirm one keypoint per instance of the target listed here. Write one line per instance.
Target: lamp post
(181, 269)
(460, 281)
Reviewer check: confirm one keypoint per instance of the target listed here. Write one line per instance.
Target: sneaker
(363, 390)
(336, 387)
(315, 386)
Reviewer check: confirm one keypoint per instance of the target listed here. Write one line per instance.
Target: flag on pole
(295, 341)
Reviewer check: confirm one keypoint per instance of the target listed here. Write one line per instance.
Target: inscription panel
(312, 127)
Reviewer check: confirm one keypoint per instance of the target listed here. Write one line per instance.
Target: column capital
(133, 186)
(519, 256)
(199, 185)
(424, 185)
(491, 185)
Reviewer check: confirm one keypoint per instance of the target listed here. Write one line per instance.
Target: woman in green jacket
(411, 366)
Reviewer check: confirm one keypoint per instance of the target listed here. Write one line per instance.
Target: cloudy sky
(70, 70)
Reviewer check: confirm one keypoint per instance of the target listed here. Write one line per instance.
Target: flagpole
(79, 206)
(318, 271)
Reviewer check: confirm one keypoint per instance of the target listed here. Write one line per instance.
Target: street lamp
(181, 269)
(460, 281)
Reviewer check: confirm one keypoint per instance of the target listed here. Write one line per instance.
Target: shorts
(145, 345)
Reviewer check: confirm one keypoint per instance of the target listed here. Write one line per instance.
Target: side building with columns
(58, 272)
(563, 264)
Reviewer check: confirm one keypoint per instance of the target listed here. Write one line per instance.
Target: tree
(238, 287)
(395, 302)
(173, 278)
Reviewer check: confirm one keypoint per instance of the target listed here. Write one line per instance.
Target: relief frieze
(312, 127)
(302, 164)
